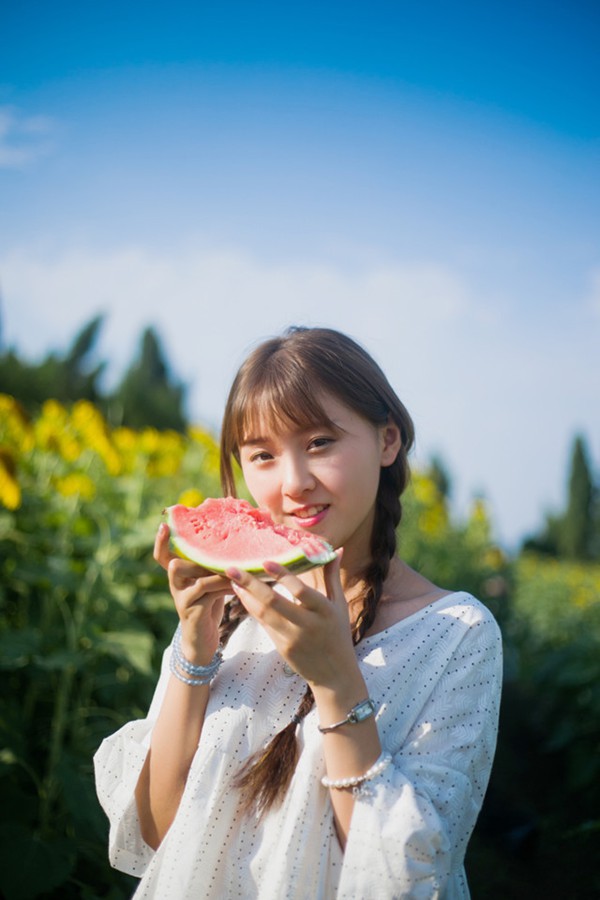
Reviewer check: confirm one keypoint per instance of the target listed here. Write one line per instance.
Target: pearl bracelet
(355, 780)
(194, 675)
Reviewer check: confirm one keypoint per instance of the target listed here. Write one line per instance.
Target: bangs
(277, 402)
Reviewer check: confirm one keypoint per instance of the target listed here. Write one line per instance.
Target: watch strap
(361, 711)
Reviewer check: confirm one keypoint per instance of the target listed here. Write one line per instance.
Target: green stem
(59, 725)
(73, 622)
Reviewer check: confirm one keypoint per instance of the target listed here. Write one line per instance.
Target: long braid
(233, 613)
(280, 380)
(383, 546)
(266, 775)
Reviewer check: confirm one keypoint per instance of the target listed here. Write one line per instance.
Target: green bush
(556, 629)
(85, 617)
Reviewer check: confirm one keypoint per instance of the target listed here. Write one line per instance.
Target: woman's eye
(261, 456)
(319, 442)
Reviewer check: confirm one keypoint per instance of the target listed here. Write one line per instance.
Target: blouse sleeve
(410, 827)
(118, 763)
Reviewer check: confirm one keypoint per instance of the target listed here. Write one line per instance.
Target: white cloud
(499, 400)
(205, 301)
(24, 139)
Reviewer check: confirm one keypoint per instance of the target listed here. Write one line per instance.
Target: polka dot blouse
(436, 679)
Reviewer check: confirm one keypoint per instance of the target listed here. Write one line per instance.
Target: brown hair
(281, 381)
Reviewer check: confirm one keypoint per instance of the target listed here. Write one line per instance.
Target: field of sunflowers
(86, 616)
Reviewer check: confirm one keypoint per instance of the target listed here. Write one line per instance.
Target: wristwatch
(363, 710)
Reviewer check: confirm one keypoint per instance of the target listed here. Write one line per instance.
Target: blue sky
(422, 176)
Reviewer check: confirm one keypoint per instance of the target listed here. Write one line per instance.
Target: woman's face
(323, 479)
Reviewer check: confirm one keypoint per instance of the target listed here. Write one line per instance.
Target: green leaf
(59, 660)
(135, 646)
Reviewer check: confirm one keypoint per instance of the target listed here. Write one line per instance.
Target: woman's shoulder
(410, 597)
(467, 611)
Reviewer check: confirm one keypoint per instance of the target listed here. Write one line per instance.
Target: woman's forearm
(174, 742)
(349, 750)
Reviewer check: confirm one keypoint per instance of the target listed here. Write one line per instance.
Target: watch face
(363, 710)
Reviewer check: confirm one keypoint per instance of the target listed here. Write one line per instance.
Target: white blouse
(436, 678)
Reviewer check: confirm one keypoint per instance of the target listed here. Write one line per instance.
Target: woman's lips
(308, 516)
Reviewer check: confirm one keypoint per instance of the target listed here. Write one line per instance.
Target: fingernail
(233, 573)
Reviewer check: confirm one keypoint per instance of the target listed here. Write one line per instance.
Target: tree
(574, 533)
(67, 377)
(147, 396)
(577, 526)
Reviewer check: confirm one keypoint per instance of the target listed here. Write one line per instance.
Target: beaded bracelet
(189, 667)
(355, 780)
(199, 674)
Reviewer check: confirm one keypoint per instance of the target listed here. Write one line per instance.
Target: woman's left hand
(312, 630)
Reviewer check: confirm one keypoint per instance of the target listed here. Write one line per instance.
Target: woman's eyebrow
(253, 441)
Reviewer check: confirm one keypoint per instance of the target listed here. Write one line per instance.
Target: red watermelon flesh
(230, 532)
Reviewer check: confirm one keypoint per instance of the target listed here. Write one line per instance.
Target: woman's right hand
(199, 597)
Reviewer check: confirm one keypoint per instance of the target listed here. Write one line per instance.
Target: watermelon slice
(230, 532)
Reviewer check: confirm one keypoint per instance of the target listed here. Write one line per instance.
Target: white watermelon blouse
(436, 677)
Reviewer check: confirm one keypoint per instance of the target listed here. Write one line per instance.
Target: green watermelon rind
(296, 563)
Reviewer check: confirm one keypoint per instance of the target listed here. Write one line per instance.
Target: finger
(258, 597)
(195, 598)
(190, 601)
(245, 581)
(301, 592)
(184, 574)
(162, 551)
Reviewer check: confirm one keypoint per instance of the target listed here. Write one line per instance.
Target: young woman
(340, 744)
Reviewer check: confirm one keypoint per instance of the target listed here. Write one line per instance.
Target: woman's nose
(297, 476)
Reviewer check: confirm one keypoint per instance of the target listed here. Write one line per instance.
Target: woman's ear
(391, 441)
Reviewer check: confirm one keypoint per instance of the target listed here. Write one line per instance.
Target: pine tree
(577, 526)
(147, 396)
(67, 377)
